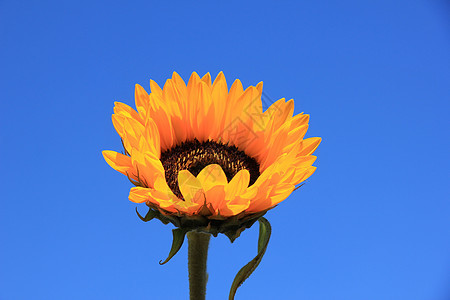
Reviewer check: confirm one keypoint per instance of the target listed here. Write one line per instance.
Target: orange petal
(180, 129)
(215, 197)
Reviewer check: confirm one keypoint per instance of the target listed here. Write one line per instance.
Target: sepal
(151, 214)
(177, 242)
(232, 227)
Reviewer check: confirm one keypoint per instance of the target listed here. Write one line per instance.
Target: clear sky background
(372, 223)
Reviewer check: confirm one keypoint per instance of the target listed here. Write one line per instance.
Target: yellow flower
(203, 152)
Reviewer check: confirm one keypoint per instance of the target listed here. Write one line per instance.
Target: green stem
(197, 255)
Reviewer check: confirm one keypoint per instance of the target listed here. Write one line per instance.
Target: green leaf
(264, 235)
(178, 239)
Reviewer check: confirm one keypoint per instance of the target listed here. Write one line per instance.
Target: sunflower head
(207, 158)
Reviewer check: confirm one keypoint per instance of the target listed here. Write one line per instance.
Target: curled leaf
(178, 239)
(263, 240)
(148, 217)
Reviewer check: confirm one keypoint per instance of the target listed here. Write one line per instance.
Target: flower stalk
(198, 243)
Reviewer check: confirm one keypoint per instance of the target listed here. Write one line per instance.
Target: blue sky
(372, 222)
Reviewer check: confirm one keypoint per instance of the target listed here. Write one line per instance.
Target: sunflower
(207, 157)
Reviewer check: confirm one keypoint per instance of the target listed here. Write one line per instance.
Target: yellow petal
(275, 110)
(259, 199)
(302, 174)
(238, 184)
(304, 161)
(118, 121)
(219, 94)
(188, 208)
(158, 113)
(181, 92)
(181, 85)
(259, 87)
(205, 114)
(299, 120)
(148, 168)
(294, 137)
(141, 100)
(132, 133)
(190, 187)
(192, 112)
(126, 111)
(173, 98)
(219, 88)
(158, 199)
(154, 87)
(212, 175)
(160, 184)
(227, 209)
(280, 111)
(236, 91)
(152, 137)
(207, 79)
(275, 150)
(280, 193)
(139, 195)
(119, 162)
(308, 146)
